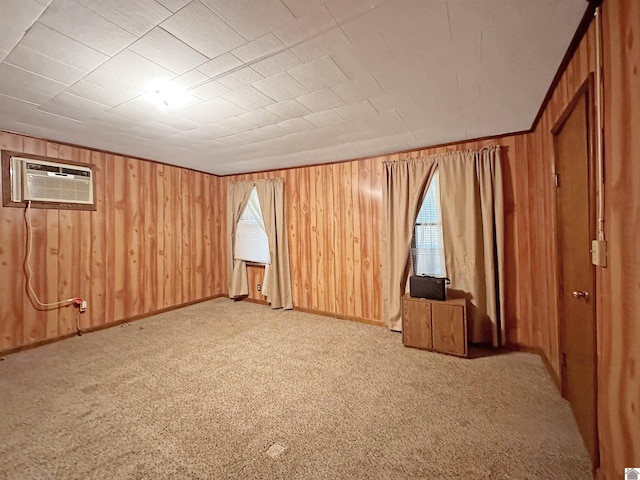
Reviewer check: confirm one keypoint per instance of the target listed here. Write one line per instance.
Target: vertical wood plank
(98, 268)
(160, 237)
(121, 241)
(34, 318)
(12, 283)
(149, 212)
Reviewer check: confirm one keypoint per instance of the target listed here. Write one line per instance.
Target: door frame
(587, 88)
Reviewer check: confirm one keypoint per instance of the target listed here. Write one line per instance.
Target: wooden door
(576, 229)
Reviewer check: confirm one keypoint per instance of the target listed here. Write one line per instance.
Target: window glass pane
(427, 252)
(252, 244)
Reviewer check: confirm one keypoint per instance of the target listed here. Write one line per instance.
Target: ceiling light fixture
(166, 95)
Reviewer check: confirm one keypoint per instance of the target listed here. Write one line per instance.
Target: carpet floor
(233, 390)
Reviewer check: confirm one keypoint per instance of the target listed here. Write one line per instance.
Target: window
(252, 244)
(427, 251)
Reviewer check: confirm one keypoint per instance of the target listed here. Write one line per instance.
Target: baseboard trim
(352, 318)
(104, 326)
(540, 352)
(252, 300)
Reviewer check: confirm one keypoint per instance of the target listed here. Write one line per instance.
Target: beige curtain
(238, 194)
(406, 184)
(473, 230)
(277, 281)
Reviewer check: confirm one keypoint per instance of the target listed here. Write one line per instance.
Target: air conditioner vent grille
(43, 181)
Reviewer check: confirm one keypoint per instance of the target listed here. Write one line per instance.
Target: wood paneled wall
(335, 219)
(152, 243)
(333, 213)
(618, 285)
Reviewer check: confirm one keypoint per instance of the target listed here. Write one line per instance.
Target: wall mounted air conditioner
(42, 181)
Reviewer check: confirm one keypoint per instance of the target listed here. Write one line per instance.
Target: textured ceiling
(277, 83)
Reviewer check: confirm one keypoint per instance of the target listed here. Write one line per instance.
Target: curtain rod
(443, 154)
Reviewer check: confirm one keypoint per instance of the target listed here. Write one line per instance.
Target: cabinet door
(449, 332)
(416, 324)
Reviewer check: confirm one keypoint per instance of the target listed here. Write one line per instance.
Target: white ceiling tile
(219, 65)
(361, 19)
(294, 125)
(173, 5)
(39, 119)
(161, 47)
(236, 125)
(260, 117)
(86, 26)
(326, 43)
(190, 79)
(281, 87)
(16, 19)
(96, 94)
(153, 130)
(108, 121)
(211, 111)
(128, 74)
(368, 56)
(277, 63)
(325, 118)
(357, 89)
(239, 78)
(344, 10)
(42, 65)
(249, 98)
(62, 48)
(318, 74)
(355, 111)
(178, 122)
(306, 27)
(392, 100)
(203, 30)
(27, 86)
(251, 18)
(3, 54)
(351, 127)
(258, 48)
(260, 134)
(135, 17)
(350, 62)
(209, 90)
(71, 106)
(288, 109)
(320, 100)
(125, 115)
(214, 130)
(12, 107)
(301, 8)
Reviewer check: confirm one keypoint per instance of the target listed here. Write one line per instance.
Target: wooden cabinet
(435, 325)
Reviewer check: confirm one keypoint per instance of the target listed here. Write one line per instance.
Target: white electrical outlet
(83, 306)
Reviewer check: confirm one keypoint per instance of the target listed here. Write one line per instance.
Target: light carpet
(233, 390)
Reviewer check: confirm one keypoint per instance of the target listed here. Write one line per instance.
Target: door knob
(578, 294)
